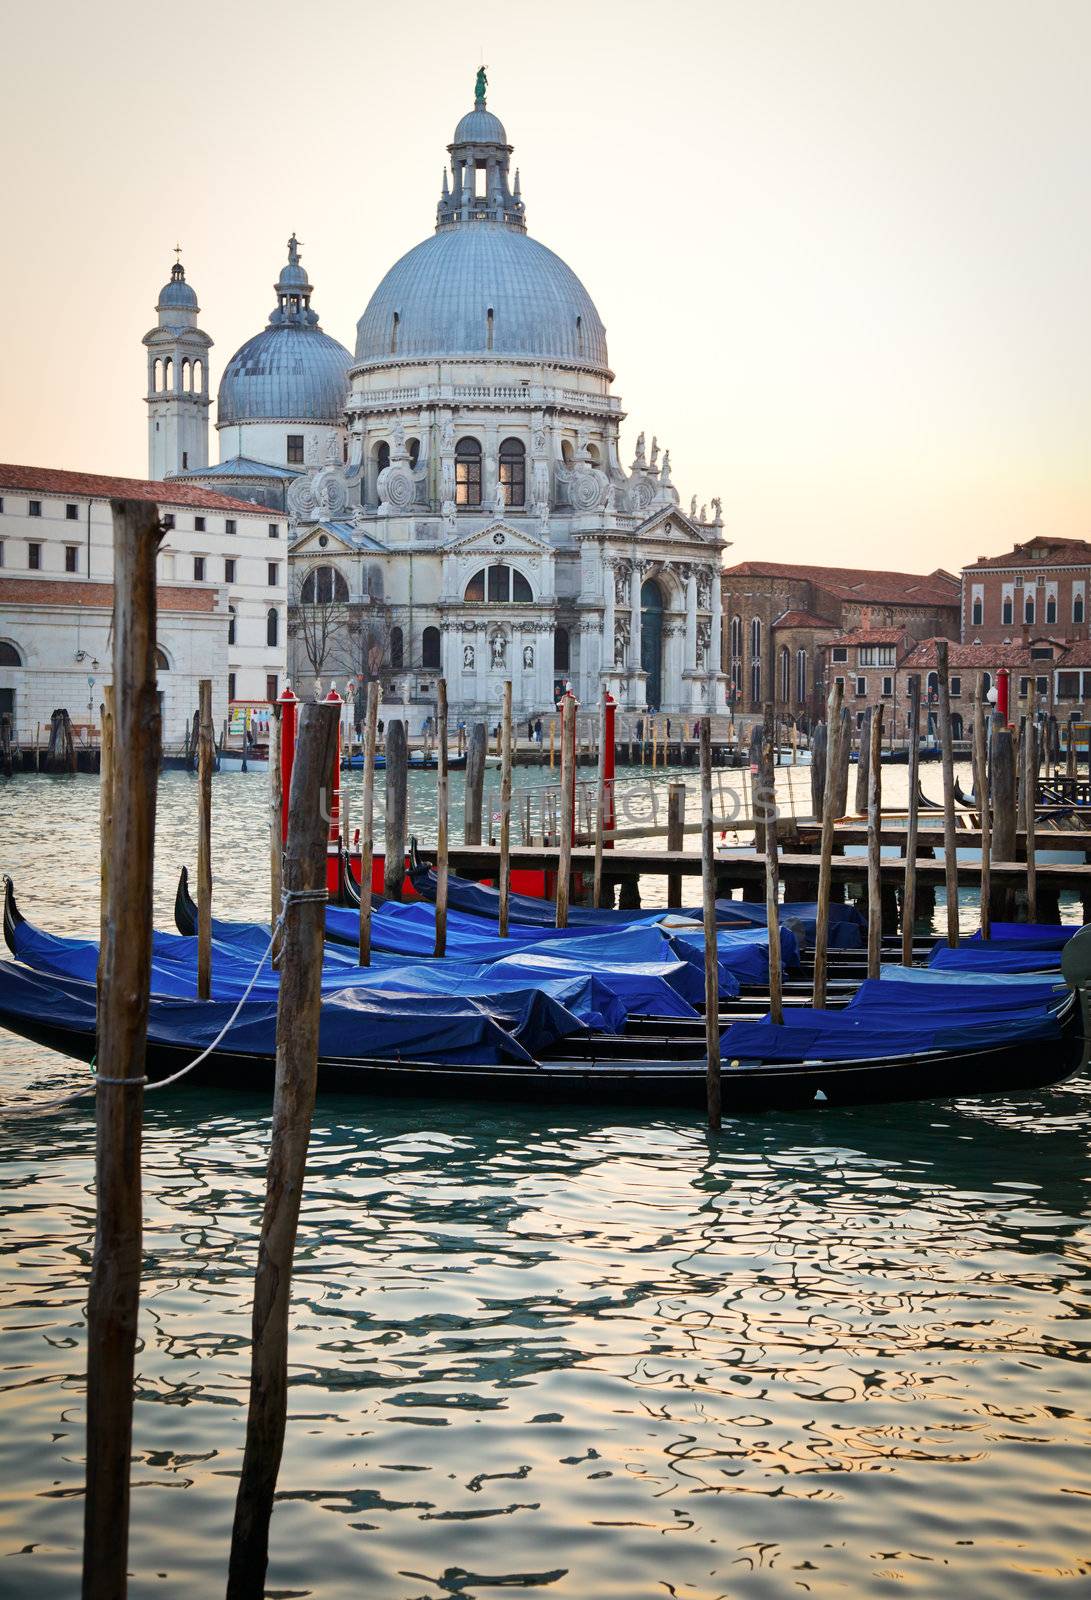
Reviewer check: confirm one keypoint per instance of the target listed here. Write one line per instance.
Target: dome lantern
(480, 154)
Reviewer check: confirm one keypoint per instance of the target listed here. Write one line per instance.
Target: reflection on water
(584, 1355)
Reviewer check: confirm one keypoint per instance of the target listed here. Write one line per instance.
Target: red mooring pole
(1002, 683)
(289, 719)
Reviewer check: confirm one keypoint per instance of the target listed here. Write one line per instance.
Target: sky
(841, 247)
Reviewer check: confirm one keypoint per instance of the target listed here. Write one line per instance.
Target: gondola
(418, 761)
(462, 1049)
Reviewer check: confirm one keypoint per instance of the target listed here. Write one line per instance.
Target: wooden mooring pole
(505, 811)
(475, 784)
(1030, 802)
(676, 837)
(950, 855)
(298, 1010)
(984, 805)
(442, 818)
(206, 756)
(874, 832)
(397, 777)
(114, 1297)
(708, 905)
(825, 853)
(367, 822)
(767, 800)
(106, 820)
(564, 852)
(909, 891)
(863, 764)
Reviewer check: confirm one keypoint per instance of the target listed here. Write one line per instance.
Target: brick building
(1047, 677)
(1043, 584)
(783, 618)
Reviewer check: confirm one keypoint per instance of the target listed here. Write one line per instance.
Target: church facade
(455, 487)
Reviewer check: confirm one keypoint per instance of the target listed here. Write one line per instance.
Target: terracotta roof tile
(51, 480)
(803, 619)
(871, 636)
(860, 583)
(1053, 553)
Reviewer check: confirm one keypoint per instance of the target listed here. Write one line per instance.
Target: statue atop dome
(480, 85)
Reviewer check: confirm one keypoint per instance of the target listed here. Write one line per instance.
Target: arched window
(736, 638)
(785, 674)
(801, 677)
(1077, 607)
(986, 682)
(755, 638)
(161, 662)
(1028, 606)
(430, 656)
(933, 688)
(413, 447)
(498, 584)
(978, 611)
(272, 626)
(397, 648)
(1051, 608)
(198, 377)
(168, 373)
(561, 650)
(513, 472)
(323, 586)
(467, 473)
(186, 377)
(567, 455)
(755, 681)
(231, 621)
(9, 655)
(382, 455)
(157, 375)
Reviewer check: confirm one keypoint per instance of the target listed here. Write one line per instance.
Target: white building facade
(222, 600)
(456, 488)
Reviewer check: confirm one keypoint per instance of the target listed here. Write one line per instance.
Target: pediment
(497, 538)
(672, 524)
(341, 538)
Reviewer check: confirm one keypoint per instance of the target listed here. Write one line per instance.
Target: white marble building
(456, 489)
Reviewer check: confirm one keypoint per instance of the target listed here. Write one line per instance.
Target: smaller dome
(177, 294)
(292, 277)
(480, 127)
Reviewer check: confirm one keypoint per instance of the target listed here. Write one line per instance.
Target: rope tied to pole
(289, 898)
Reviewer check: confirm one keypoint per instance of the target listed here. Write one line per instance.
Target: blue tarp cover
(1030, 935)
(847, 928)
(988, 957)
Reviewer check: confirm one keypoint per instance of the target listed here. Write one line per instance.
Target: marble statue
(528, 657)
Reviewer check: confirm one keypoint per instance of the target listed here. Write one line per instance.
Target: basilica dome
(480, 286)
(291, 371)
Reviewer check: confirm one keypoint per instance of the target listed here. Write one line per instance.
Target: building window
(1, 502)
(875, 655)
(71, 558)
(502, 585)
(397, 649)
(270, 686)
(888, 686)
(561, 650)
(168, 519)
(755, 638)
(71, 512)
(736, 638)
(861, 688)
(274, 573)
(956, 686)
(198, 524)
(198, 569)
(231, 526)
(1041, 686)
(34, 508)
(755, 681)
(977, 615)
(801, 677)
(1068, 686)
(1051, 608)
(229, 569)
(513, 472)
(467, 473)
(1077, 602)
(1007, 606)
(785, 674)
(430, 655)
(324, 586)
(34, 557)
(839, 653)
(295, 449)
(274, 530)
(9, 655)
(1, 552)
(1028, 607)
(272, 626)
(185, 459)
(231, 686)
(232, 625)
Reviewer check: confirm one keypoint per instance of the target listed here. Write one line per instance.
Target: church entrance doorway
(651, 641)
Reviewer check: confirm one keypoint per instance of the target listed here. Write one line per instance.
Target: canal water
(838, 1354)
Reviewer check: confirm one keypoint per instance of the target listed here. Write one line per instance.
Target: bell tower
(177, 397)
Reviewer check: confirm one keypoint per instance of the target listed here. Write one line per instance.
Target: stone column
(481, 663)
(691, 619)
(718, 692)
(634, 618)
(544, 664)
(608, 615)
